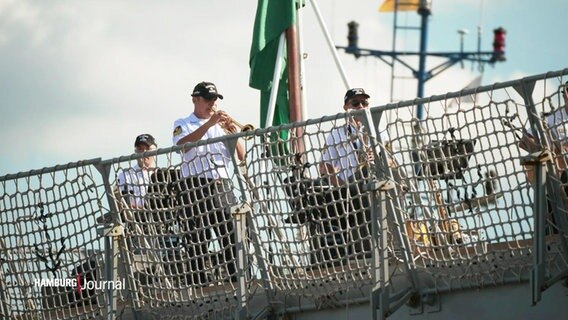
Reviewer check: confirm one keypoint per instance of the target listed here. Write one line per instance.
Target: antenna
(423, 8)
(462, 33)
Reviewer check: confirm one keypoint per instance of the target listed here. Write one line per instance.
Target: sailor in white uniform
(207, 190)
(347, 164)
(133, 182)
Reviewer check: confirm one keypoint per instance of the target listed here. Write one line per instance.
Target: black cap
(355, 92)
(206, 90)
(146, 139)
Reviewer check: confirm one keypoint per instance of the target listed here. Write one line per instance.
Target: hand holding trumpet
(228, 123)
(223, 119)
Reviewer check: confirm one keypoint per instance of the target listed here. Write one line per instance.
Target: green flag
(272, 18)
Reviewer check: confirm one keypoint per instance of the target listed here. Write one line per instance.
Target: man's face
(357, 102)
(146, 162)
(204, 104)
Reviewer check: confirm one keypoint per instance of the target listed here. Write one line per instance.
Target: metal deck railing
(444, 205)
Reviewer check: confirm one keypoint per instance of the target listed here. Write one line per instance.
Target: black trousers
(343, 228)
(207, 204)
(338, 218)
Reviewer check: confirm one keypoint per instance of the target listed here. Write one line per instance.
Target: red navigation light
(499, 44)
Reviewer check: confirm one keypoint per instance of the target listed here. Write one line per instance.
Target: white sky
(80, 79)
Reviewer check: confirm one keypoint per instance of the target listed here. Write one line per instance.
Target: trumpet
(364, 152)
(362, 148)
(243, 128)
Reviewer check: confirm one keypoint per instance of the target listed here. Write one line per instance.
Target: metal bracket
(537, 158)
(383, 185)
(240, 209)
(114, 231)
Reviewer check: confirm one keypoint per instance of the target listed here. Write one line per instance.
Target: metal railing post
(380, 298)
(544, 165)
(540, 206)
(110, 247)
(242, 216)
(239, 213)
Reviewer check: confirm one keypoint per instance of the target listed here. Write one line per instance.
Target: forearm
(240, 151)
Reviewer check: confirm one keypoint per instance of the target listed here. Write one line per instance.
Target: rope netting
(469, 210)
(313, 225)
(49, 248)
(179, 235)
(308, 217)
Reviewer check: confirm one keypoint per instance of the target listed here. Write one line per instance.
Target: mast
(294, 86)
(424, 12)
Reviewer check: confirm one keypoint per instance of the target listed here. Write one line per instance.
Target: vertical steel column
(545, 187)
(539, 216)
(424, 12)
(242, 216)
(381, 185)
(385, 172)
(130, 286)
(111, 263)
(239, 214)
(380, 296)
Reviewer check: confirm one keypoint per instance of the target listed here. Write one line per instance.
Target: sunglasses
(210, 98)
(355, 103)
(144, 149)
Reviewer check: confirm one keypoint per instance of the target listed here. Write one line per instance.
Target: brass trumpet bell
(244, 128)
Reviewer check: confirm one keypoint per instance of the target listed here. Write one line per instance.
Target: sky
(81, 79)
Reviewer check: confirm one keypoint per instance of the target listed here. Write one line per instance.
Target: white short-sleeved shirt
(134, 182)
(341, 150)
(557, 123)
(210, 160)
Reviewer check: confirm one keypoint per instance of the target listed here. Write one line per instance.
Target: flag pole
(275, 82)
(297, 145)
(302, 67)
(330, 44)
(293, 74)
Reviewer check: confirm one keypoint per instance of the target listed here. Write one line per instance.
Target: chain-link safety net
(469, 209)
(322, 212)
(179, 239)
(51, 255)
(311, 208)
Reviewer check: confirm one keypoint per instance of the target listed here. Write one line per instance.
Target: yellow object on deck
(403, 5)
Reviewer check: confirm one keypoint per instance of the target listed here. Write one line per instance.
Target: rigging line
(481, 13)
(479, 31)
